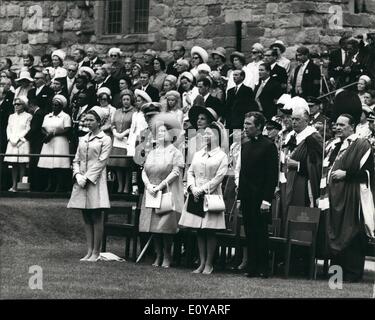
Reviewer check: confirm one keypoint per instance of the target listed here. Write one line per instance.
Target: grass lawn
(35, 232)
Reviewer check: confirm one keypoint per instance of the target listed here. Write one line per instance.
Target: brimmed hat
(275, 122)
(220, 51)
(88, 71)
(61, 99)
(201, 52)
(367, 79)
(25, 75)
(258, 47)
(59, 53)
(188, 75)
(114, 51)
(105, 90)
(239, 55)
(23, 99)
(203, 67)
(298, 103)
(169, 120)
(279, 44)
(143, 95)
(127, 92)
(100, 112)
(195, 111)
(284, 103)
(151, 108)
(183, 62)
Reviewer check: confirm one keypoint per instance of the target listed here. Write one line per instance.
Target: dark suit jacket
(271, 92)
(171, 69)
(259, 171)
(6, 109)
(279, 74)
(237, 105)
(335, 60)
(98, 62)
(112, 84)
(153, 93)
(310, 80)
(44, 98)
(35, 136)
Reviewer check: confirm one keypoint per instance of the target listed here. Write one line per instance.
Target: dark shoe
(263, 275)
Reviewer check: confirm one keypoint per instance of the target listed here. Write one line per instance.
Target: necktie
(236, 90)
(259, 91)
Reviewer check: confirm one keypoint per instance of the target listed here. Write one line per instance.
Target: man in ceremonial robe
(351, 206)
(303, 160)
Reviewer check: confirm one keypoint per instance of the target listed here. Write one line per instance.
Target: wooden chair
(297, 236)
(278, 244)
(127, 230)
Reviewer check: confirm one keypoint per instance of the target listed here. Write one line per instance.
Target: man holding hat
(178, 54)
(219, 56)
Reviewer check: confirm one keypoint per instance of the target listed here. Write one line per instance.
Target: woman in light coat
(205, 175)
(90, 192)
(18, 127)
(163, 171)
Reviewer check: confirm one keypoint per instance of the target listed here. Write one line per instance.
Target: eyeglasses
(18, 104)
(268, 55)
(38, 78)
(72, 70)
(114, 55)
(103, 98)
(254, 52)
(195, 57)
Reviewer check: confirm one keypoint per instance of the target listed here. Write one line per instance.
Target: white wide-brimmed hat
(201, 52)
(59, 53)
(114, 51)
(105, 90)
(143, 95)
(88, 71)
(25, 75)
(203, 67)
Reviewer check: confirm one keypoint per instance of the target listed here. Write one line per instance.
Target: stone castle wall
(42, 26)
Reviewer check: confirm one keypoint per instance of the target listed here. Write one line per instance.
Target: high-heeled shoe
(208, 271)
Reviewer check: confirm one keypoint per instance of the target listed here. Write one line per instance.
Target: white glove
(81, 180)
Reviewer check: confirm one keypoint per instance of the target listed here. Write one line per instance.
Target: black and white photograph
(187, 156)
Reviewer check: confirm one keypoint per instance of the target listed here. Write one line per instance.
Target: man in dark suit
(103, 78)
(278, 73)
(6, 109)
(205, 99)
(94, 60)
(267, 92)
(41, 93)
(178, 54)
(256, 186)
(35, 138)
(80, 58)
(240, 100)
(337, 59)
(149, 89)
(306, 80)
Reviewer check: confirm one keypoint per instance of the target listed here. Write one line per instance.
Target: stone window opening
(122, 17)
(358, 6)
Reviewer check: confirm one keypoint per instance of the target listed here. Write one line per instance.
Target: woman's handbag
(213, 202)
(167, 204)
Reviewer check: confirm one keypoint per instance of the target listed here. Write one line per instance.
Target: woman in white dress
(18, 127)
(163, 172)
(56, 126)
(205, 175)
(105, 98)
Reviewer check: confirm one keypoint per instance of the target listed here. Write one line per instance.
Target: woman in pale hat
(89, 73)
(205, 175)
(198, 56)
(136, 74)
(219, 56)
(257, 51)
(174, 105)
(17, 128)
(163, 172)
(56, 129)
(281, 60)
(189, 91)
(90, 192)
(238, 61)
(158, 75)
(120, 123)
(24, 83)
(118, 69)
(363, 129)
(364, 84)
(58, 57)
(170, 83)
(105, 99)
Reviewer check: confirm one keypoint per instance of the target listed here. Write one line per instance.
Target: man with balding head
(94, 60)
(41, 93)
(303, 158)
(178, 54)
